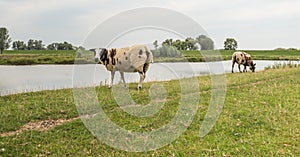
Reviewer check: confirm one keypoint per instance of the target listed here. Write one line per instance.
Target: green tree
(19, 45)
(191, 44)
(38, 45)
(52, 46)
(230, 44)
(35, 45)
(168, 42)
(65, 46)
(30, 44)
(155, 43)
(205, 42)
(166, 51)
(81, 48)
(5, 40)
(179, 44)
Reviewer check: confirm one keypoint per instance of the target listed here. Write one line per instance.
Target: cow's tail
(145, 68)
(149, 56)
(233, 58)
(149, 60)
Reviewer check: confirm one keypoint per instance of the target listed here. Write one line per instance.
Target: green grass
(41, 52)
(32, 57)
(260, 118)
(256, 54)
(282, 65)
(29, 57)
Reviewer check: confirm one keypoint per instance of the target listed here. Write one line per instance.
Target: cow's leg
(140, 70)
(142, 77)
(239, 65)
(145, 68)
(245, 68)
(112, 78)
(123, 79)
(233, 62)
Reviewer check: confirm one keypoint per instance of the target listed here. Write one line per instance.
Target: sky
(255, 24)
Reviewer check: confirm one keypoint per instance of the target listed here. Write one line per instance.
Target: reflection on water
(16, 79)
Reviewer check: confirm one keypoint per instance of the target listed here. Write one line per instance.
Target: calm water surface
(17, 79)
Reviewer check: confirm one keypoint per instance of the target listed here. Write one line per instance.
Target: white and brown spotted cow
(244, 59)
(136, 58)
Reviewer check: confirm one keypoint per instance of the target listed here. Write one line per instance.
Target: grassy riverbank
(260, 118)
(28, 57)
(32, 57)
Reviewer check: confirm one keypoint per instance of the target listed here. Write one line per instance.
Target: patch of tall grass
(277, 65)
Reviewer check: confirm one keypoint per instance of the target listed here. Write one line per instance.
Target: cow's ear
(113, 50)
(103, 54)
(105, 51)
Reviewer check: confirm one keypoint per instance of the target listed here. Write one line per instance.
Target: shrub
(166, 51)
(280, 49)
(292, 49)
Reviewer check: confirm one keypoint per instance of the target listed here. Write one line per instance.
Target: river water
(19, 79)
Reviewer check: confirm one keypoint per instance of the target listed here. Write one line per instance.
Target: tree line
(201, 42)
(204, 42)
(38, 45)
(171, 48)
(31, 44)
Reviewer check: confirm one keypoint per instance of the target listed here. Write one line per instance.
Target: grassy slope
(260, 118)
(27, 57)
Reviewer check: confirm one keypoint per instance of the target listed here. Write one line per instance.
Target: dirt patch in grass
(43, 125)
(39, 125)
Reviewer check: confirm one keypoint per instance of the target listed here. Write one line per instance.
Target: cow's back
(130, 58)
(239, 57)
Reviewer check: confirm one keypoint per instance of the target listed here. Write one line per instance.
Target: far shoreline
(40, 57)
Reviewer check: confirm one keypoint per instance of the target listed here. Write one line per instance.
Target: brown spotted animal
(136, 58)
(244, 59)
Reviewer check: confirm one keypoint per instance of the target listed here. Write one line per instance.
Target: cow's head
(100, 54)
(252, 66)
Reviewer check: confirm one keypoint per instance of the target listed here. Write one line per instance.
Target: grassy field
(31, 57)
(27, 57)
(41, 52)
(260, 118)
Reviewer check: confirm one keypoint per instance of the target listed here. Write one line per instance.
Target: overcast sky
(255, 24)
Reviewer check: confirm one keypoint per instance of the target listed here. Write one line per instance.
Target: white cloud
(72, 20)
(262, 10)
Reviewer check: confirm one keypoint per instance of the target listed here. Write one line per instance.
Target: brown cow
(244, 59)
